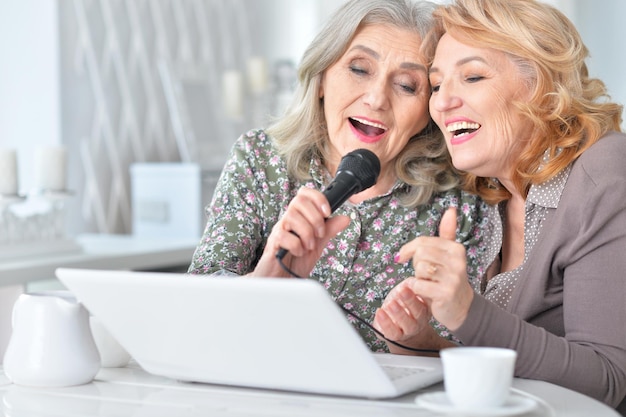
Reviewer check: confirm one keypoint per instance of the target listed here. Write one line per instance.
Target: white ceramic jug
(51, 344)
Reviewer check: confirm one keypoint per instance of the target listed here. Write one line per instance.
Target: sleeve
(240, 215)
(590, 357)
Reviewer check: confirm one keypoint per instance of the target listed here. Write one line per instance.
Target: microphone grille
(364, 165)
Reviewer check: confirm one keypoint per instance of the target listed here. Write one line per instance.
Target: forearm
(229, 242)
(542, 355)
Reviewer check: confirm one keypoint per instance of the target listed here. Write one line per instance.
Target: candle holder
(54, 196)
(8, 199)
(7, 227)
(34, 225)
(54, 220)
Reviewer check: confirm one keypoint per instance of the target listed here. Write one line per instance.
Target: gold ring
(432, 270)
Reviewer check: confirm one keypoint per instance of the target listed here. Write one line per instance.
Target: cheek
(416, 119)
(509, 126)
(333, 116)
(502, 125)
(338, 95)
(506, 117)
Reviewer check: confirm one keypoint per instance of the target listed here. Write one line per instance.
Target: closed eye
(407, 88)
(358, 70)
(474, 79)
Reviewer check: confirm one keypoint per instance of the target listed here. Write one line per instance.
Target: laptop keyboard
(398, 372)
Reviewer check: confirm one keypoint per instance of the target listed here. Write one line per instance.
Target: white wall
(30, 112)
(602, 27)
(288, 25)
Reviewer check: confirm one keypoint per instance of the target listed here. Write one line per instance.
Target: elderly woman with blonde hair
(538, 138)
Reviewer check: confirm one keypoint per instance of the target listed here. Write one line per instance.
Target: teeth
(366, 122)
(453, 127)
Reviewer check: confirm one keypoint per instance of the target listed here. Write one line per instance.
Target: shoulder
(257, 149)
(597, 177)
(255, 140)
(603, 160)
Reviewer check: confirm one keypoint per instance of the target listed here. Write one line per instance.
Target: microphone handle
(281, 252)
(336, 193)
(343, 187)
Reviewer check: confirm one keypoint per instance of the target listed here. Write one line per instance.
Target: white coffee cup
(112, 354)
(478, 377)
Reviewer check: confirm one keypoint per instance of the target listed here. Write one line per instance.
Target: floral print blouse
(357, 267)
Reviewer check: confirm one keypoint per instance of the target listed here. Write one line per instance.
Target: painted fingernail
(396, 258)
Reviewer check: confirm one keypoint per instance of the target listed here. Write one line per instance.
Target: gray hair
(301, 134)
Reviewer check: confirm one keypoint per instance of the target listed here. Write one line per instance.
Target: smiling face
(376, 96)
(472, 103)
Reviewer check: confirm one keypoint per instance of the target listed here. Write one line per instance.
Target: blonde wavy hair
(568, 110)
(300, 134)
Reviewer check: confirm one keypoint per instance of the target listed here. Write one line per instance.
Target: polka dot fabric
(540, 198)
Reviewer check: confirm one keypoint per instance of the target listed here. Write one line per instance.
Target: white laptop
(271, 333)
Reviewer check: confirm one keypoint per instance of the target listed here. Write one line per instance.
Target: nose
(445, 99)
(377, 95)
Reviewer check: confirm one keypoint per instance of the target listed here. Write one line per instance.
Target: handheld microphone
(358, 170)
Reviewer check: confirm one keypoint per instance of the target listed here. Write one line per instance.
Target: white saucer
(438, 401)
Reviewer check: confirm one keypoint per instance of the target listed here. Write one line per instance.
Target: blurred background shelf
(102, 251)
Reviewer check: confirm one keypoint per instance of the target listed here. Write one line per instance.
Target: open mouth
(368, 128)
(462, 128)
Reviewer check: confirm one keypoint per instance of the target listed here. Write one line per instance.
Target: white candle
(8, 172)
(232, 92)
(50, 168)
(257, 75)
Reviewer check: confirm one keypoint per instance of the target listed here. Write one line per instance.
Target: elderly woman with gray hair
(363, 84)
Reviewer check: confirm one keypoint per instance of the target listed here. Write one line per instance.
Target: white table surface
(101, 251)
(130, 391)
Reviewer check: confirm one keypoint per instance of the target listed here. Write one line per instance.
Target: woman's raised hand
(441, 273)
(304, 230)
(439, 288)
